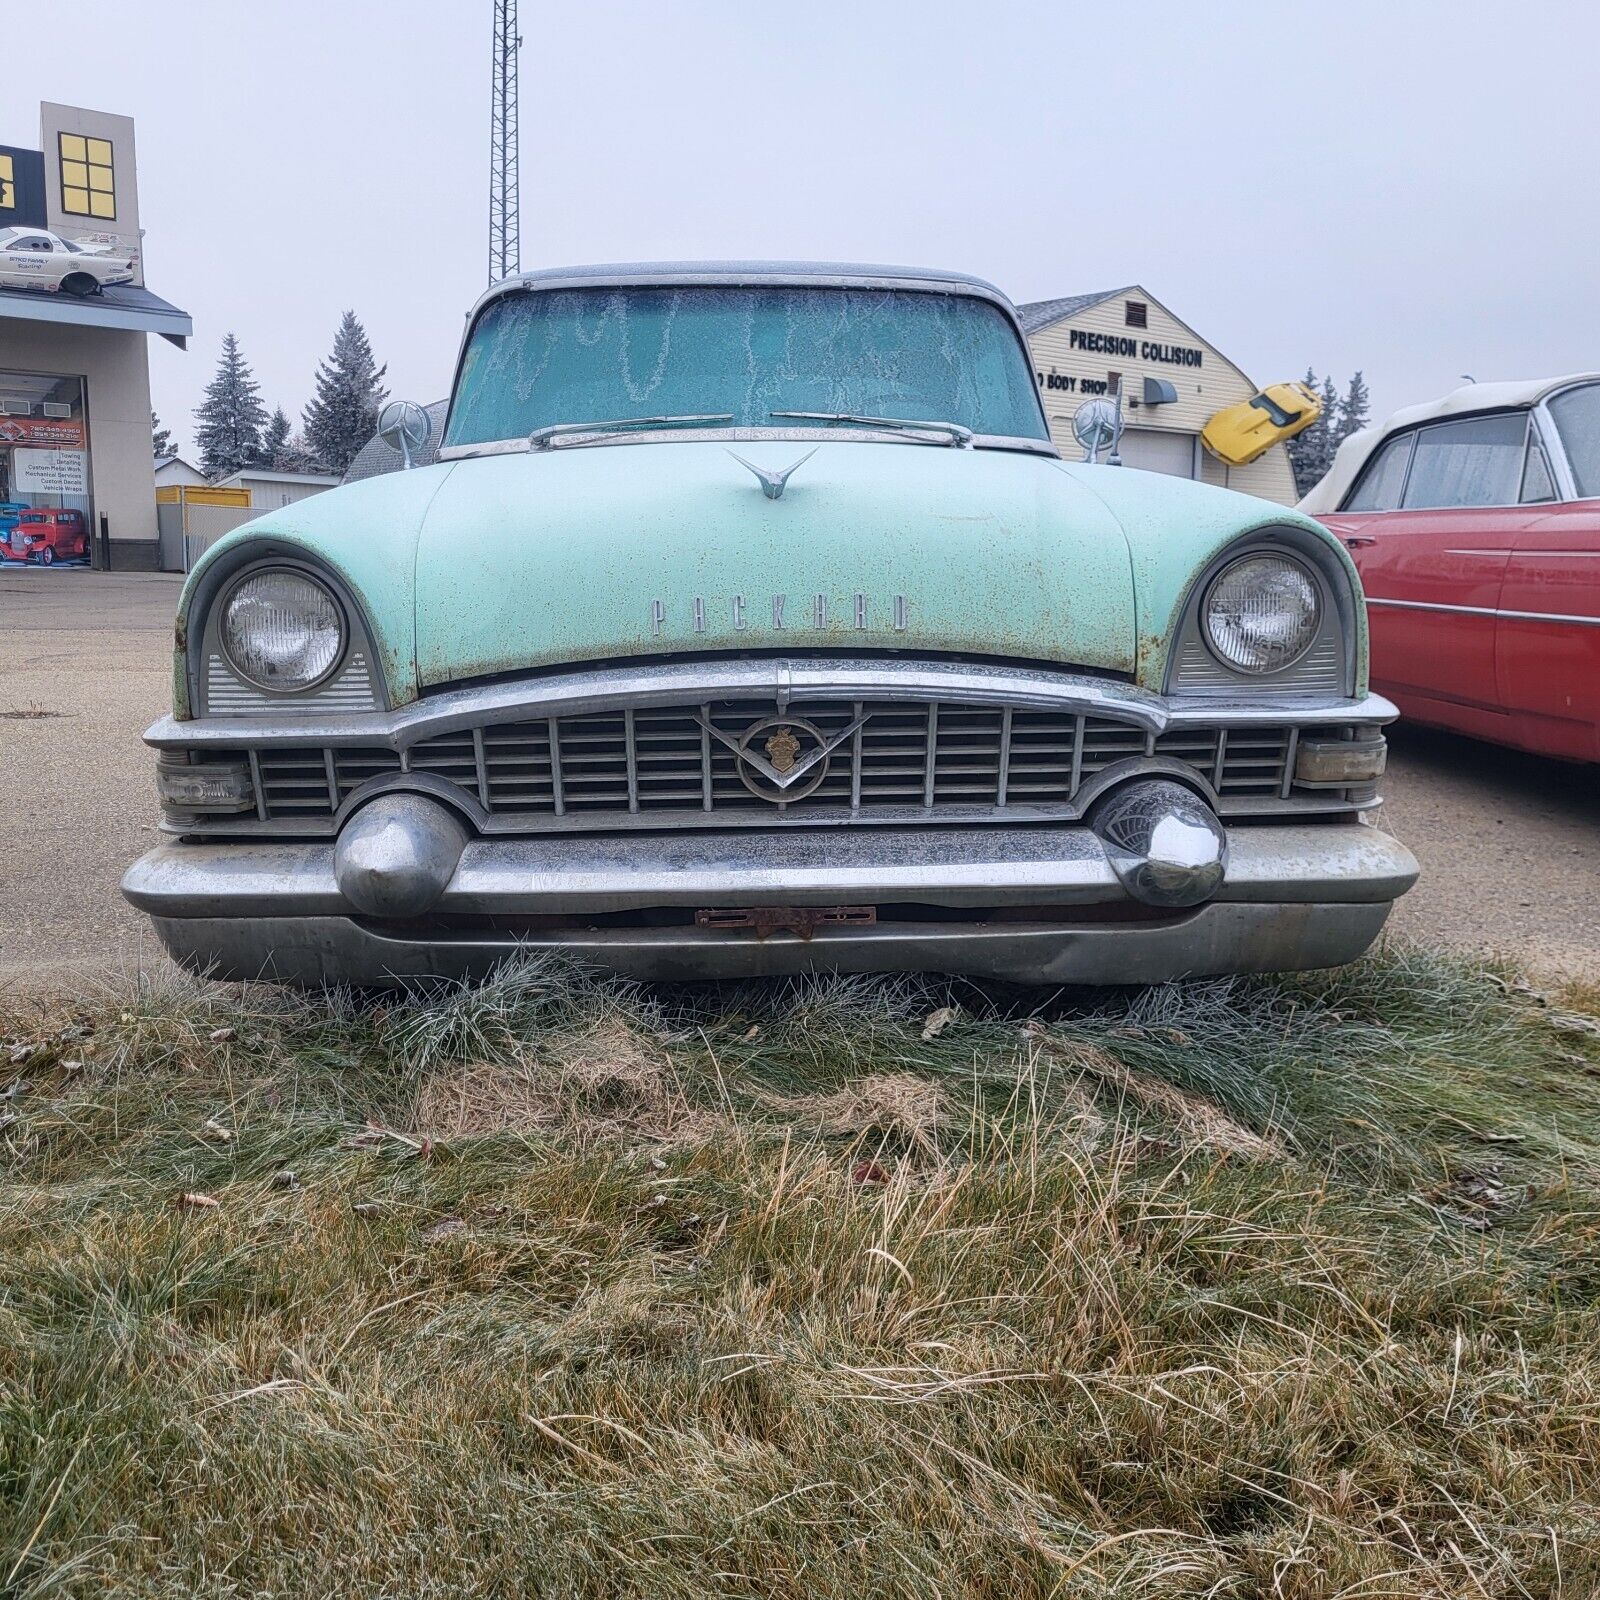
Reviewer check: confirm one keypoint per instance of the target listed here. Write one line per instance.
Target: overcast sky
(1408, 188)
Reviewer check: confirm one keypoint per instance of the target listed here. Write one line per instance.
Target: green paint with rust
(1174, 529)
(516, 562)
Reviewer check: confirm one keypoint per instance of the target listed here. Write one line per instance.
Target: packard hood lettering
(863, 614)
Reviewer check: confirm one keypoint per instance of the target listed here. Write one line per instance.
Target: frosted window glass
(594, 355)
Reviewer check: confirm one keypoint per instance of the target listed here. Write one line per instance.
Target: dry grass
(1270, 1289)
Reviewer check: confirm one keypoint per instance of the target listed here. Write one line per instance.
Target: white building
(174, 472)
(268, 489)
(1170, 379)
(75, 371)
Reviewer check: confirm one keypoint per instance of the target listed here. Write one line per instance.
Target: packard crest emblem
(782, 748)
(782, 758)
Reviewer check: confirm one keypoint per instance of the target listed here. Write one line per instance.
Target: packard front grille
(639, 766)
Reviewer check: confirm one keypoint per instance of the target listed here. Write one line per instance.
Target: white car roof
(1515, 394)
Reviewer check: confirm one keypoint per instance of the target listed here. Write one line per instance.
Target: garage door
(1155, 450)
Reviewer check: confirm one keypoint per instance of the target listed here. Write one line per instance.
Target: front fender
(365, 535)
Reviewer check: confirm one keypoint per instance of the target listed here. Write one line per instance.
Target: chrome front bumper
(1044, 904)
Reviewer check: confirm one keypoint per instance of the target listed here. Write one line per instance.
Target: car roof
(821, 274)
(1470, 399)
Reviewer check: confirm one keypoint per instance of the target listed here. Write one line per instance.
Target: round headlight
(1262, 612)
(281, 630)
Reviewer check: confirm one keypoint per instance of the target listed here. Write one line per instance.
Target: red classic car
(1475, 523)
(46, 537)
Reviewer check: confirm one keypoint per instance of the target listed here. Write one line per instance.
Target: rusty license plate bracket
(801, 920)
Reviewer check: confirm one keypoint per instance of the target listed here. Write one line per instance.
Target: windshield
(593, 355)
(1577, 418)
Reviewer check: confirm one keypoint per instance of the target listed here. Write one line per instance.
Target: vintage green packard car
(749, 622)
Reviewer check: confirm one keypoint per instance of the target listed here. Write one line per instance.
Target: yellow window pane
(102, 205)
(99, 151)
(75, 173)
(100, 178)
(6, 169)
(76, 201)
(73, 147)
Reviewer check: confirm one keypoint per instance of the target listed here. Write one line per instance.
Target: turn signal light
(217, 787)
(1336, 762)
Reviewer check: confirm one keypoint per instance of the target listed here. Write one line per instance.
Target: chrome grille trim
(1009, 744)
(908, 760)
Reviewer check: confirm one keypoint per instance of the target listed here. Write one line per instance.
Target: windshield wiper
(543, 436)
(954, 433)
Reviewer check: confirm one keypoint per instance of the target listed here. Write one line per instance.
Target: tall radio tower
(505, 244)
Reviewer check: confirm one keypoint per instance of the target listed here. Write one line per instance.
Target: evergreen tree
(343, 413)
(1355, 409)
(1311, 452)
(160, 438)
(231, 416)
(296, 455)
(276, 438)
(1306, 449)
(1328, 422)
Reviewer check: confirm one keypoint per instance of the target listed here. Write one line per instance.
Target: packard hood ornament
(772, 483)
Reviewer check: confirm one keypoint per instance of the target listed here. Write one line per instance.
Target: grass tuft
(1278, 1287)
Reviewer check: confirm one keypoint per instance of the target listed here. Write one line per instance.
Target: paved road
(1510, 845)
(85, 667)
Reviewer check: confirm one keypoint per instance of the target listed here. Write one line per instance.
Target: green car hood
(577, 554)
(509, 563)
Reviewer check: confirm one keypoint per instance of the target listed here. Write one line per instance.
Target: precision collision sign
(1116, 344)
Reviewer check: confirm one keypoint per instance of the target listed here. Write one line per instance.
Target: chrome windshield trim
(835, 678)
(753, 274)
(581, 439)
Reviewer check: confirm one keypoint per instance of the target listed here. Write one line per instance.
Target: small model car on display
(749, 622)
(32, 258)
(1475, 524)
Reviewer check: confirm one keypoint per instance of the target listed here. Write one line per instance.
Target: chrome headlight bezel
(1309, 622)
(1334, 665)
(254, 574)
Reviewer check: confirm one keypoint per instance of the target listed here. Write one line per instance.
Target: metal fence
(187, 530)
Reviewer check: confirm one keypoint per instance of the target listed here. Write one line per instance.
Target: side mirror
(404, 426)
(1097, 426)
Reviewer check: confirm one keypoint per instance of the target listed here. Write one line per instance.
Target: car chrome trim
(1487, 611)
(834, 678)
(691, 435)
(1213, 940)
(1326, 665)
(1303, 863)
(354, 686)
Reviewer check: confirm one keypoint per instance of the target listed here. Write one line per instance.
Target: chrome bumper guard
(1292, 896)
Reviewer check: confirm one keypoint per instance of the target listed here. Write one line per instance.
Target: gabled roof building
(1171, 382)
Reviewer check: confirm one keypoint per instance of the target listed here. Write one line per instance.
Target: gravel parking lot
(1510, 845)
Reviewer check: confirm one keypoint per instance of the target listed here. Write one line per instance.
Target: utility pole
(505, 243)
